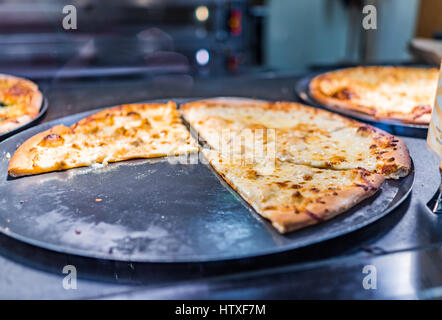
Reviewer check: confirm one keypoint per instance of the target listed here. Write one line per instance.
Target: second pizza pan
(41, 113)
(392, 126)
(155, 211)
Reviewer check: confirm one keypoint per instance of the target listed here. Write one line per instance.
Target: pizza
(295, 165)
(20, 102)
(298, 134)
(384, 92)
(115, 134)
(294, 196)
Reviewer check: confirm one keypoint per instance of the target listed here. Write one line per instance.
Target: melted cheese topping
(16, 97)
(284, 187)
(299, 136)
(389, 90)
(132, 131)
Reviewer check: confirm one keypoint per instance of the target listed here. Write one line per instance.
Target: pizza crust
(332, 205)
(21, 163)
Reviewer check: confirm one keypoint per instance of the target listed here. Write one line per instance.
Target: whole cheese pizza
(295, 165)
(116, 134)
(20, 102)
(384, 92)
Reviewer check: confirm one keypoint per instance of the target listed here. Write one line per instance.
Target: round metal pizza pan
(392, 126)
(155, 210)
(41, 113)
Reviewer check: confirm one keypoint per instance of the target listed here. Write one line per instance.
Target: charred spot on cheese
(373, 146)
(269, 208)
(3, 104)
(51, 140)
(420, 110)
(251, 174)
(93, 130)
(121, 131)
(314, 189)
(145, 124)
(389, 169)
(295, 186)
(335, 160)
(344, 94)
(365, 130)
(76, 146)
(307, 177)
(137, 143)
(133, 114)
(297, 195)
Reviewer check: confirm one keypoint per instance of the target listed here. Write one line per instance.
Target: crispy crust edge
(285, 220)
(397, 162)
(21, 163)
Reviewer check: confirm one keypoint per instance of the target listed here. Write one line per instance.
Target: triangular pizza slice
(293, 196)
(124, 132)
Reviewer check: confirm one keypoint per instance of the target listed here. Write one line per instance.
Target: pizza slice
(116, 134)
(297, 134)
(385, 92)
(294, 196)
(20, 102)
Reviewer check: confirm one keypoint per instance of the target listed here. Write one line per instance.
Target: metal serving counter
(403, 247)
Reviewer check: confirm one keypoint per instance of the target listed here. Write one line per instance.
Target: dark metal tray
(43, 109)
(392, 126)
(154, 211)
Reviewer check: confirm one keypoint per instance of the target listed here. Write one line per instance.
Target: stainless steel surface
(392, 126)
(155, 211)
